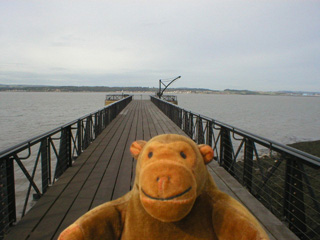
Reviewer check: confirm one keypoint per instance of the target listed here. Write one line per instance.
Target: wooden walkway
(105, 171)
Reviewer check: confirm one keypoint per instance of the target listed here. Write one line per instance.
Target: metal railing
(284, 179)
(31, 167)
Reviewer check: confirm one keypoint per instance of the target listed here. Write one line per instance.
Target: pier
(93, 166)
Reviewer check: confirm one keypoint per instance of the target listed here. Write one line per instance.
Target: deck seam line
(151, 122)
(135, 137)
(159, 120)
(144, 109)
(110, 158)
(241, 201)
(123, 152)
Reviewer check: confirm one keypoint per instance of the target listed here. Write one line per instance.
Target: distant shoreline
(31, 88)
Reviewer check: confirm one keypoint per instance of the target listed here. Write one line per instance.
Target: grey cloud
(255, 45)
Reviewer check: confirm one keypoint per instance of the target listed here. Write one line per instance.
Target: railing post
(226, 150)
(107, 117)
(79, 131)
(200, 133)
(112, 112)
(45, 167)
(209, 133)
(186, 122)
(96, 124)
(176, 116)
(49, 161)
(294, 207)
(103, 114)
(180, 118)
(248, 164)
(190, 130)
(69, 135)
(87, 133)
(7, 191)
(100, 122)
(65, 158)
(172, 117)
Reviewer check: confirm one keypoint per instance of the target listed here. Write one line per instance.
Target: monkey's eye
(150, 154)
(183, 155)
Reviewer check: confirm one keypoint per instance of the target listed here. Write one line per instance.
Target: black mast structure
(160, 92)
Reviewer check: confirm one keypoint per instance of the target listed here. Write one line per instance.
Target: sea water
(284, 119)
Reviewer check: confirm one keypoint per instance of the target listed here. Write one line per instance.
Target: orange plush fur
(174, 197)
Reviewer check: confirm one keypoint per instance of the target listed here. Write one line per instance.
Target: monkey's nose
(163, 182)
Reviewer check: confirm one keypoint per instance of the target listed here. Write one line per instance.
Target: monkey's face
(169, 176)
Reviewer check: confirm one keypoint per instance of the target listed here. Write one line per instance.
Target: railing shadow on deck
(31, 167)
(285, 180)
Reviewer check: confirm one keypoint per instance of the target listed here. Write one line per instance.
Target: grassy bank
(269, 183)
(311, 147)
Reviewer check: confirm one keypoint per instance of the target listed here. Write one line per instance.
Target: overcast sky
(238, 44)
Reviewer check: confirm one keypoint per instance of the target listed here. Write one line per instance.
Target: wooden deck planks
(105, 171)
(87, 194)
(80, 188)
(123, 181)
(36, 214)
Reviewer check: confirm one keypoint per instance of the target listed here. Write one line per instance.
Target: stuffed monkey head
(170, 174)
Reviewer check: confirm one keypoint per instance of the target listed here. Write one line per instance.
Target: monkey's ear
(136, 148)
(206, 152)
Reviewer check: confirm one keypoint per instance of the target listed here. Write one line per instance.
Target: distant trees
(89, 89)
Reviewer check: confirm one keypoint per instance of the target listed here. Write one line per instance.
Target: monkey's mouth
(168, 198)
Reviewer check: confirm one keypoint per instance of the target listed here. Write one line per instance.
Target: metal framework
(31, 167)
(160, 93)
(283, 179)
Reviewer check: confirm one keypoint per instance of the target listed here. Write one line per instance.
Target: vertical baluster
(45, 165)
(180, 118)
(79, 131)
(96, 128)
(226, 150)
(69, 145)
(65, 154)
(7, 191)
(294, 208)
(190, 130)
(209, 133)
(86, 138)
(186, 122)
(248, 164)
(200, 133)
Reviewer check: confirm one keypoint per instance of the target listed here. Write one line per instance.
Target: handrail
(58, 147)
(285, 180)
(266, 142)
(36, 139)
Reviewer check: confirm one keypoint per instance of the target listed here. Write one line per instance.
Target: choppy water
(283, 119)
